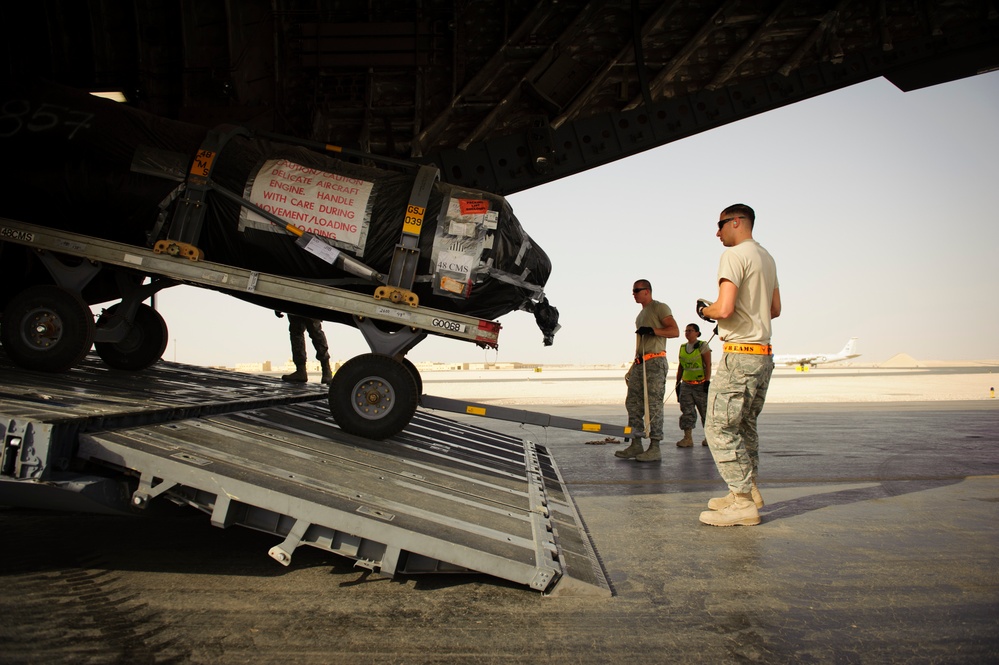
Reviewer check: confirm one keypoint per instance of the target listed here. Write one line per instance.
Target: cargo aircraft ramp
(438, 497)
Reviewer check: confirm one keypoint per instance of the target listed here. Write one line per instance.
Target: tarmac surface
(879, 544)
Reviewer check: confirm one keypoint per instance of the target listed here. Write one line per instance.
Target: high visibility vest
(692, 363)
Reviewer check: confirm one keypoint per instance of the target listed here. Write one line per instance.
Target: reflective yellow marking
(202, 164)
(414, 220)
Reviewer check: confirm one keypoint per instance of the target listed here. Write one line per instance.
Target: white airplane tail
(850, 350)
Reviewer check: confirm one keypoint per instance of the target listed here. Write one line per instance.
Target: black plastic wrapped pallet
(70, 163)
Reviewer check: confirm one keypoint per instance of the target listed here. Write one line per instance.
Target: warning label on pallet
(325, 204)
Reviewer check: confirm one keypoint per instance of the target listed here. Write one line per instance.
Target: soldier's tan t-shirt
(652, 315)
(754, 272)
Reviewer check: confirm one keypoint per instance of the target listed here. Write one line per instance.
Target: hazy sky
(880, 208)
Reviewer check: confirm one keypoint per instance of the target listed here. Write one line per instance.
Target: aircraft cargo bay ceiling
(502, 96)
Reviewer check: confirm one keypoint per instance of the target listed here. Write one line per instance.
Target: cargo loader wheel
(408, 364)
(47, 328)
(373, 396)
(142, 346)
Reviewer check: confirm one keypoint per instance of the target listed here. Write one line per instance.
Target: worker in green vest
(693, 376)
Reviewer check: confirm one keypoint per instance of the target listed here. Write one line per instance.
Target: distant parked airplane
(804, 362)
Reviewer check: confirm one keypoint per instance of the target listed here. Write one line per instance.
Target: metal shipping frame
(239, 280)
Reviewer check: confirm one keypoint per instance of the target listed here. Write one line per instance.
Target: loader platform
(440, 496)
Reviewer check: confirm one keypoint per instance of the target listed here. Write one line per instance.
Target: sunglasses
(723, 222)
(638, 290)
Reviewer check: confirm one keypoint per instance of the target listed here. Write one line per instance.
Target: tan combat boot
(741, 512)
(720, 502)
(704, 442)
(631, 451)
(327, 373)
(652, 454)
(300, 375)
(687, 441)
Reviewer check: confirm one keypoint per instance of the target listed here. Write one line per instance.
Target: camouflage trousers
(693, 400)
(738, 390)
(297, 326)
(656, 370)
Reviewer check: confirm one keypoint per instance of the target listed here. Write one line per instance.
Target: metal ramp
(441, 496)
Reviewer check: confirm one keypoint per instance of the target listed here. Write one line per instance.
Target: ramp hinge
(282, 553)
(148, 490)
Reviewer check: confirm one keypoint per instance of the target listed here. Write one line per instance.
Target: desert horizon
(840, 383)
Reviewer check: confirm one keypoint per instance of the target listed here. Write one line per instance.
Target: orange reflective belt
(694, 383)
(649, 356)
(753, 349)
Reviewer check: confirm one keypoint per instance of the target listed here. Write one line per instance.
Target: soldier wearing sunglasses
(748, 299)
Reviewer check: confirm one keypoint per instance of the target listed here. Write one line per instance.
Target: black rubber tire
(47, 328)
(373, 396)
(142, 347)
(408, 364)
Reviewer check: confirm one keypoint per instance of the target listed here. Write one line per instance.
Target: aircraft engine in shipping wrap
(87, 165)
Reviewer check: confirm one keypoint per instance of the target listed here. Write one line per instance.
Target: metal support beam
(525, 417)
(503, 166)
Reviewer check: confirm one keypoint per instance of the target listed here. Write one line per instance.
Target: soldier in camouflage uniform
(655, 324)
(748, 299)
(297, 327)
